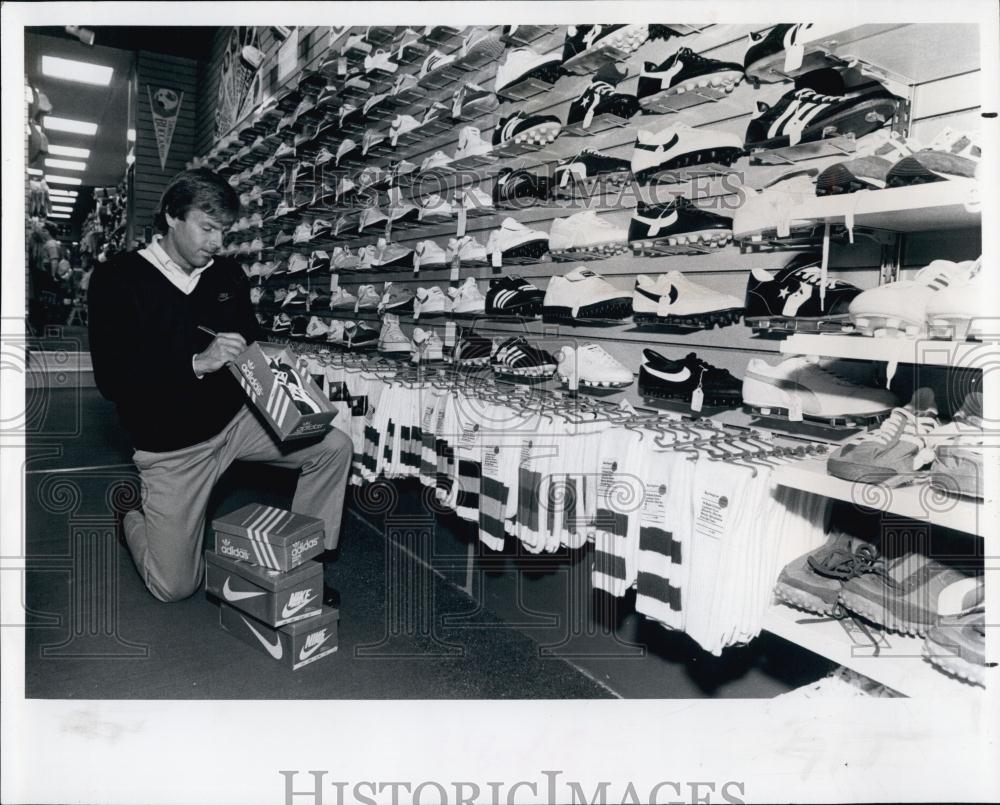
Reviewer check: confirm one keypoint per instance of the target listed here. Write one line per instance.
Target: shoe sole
(605, 249)
(722, 155)
(544, 371)
(860, 120)
(472, 363)
(712, 400)
(527, 310)
(701, 321)
(839, 180)
(616, 309)
(622, 42)
(959, 484)
(714, 238)
(725, 81)
(808, 602)
(531, 250)
(879, 325)
(955, 666)
(833, 421)
(547, 73)
(541, 134)
(861, 473)
(784, 324)
(911, 171)
(881, 615)
(599, 384)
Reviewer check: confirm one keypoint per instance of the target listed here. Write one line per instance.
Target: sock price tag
(697, 399)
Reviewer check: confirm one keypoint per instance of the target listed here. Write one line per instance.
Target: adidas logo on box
(269, 537)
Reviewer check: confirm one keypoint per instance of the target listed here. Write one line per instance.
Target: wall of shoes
(764, 227)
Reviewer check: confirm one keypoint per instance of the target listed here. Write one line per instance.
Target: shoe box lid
(272, 538)
(272, 398)
(294, 645)
(268, 595)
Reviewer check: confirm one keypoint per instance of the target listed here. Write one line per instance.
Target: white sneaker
(430, 302)
(673, 299)
(346, 146)
(342, 299)
(317, 328)
(343, 259)
(591, 365)
(588, 232)
(435, 61)
(900, 308)
(380, 61)
(427, 254)
(370, 216)
(472, 198)
(524, 62)
(402, 124)
(470, 251)
(960, 311)
(392, 255)
(799, 388)
(302, 233)
(392, 339)
(335, 332)
(681, 146)
(467, 299)
(297, 263)
(372, 137)
(514, 240)
(584, 294)
(435, 208)
(427, 346)
(368, 298)
(471, 144)
(366, 257)
(437, 163)
(772, 209)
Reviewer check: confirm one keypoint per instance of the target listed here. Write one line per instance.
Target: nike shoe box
(271, 538)
(279, 386)
(268, 595)
(293, 645)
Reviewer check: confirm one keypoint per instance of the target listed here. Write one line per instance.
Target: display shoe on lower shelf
(467, 299)
(396, 300)
(813, 581)
(430, 302)
(583, 294)
(392, 339)
(358, 335)
(472, 350)
(513, 242)
(591, 365)
(957, 645)
(368, 298)
(689, 379)
(515, 356)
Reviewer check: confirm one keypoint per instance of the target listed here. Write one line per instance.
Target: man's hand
(222, 351)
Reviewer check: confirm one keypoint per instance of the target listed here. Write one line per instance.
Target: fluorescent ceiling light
(34, 172)
(65, 164)
(72, 126)
(59, 215)
(62, 179)
(58, 191)
(71, 70)
(67, 151)
(60, 208)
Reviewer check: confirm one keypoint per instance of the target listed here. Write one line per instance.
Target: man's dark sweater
(143, 335)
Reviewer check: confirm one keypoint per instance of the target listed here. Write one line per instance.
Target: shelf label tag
(793, 57)
(334, 282)
(697, 399)
(463, 216)
(795, 410)
(450, 334)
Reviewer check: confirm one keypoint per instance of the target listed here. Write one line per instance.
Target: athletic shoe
(868, 167)
(959, 449)
(392, 339)
(346, 146)
(516, 356)
(896, 450)
(282, 323)
(435, 209)
(437, 164)
(513, 296)
(427, 346)
(342, 299)
(298, 263)
(513, 190)
(591, 365)
(584, 294)
(680, 146)
(682, 379)
(672, 299)
(285, 153)
(431, 302)
(256, 294)
(346, 223)
(410, 44)
(522, 129)
(392, 255)
(368, 298)
(522, 64)
(583, 42)
(356, 42)
(765, 59)
(480, 45)
(951, 155)
(262, 320)
(900, 308)
(381, 62)
(797, 388)
(467, 299)
(956, 645)
(587, 232)
(318, 297)
(395, 300)
(685, 71)
(358, 335)
(600, 98)
(336, 333)
(427, 254)
(471, 144)
(472, 199)
(321, 228)
(910, 593)
(317, 328)
(469, 250)
(513, 240)
(369, 177)
(343, 259)
(813, 581)
(678, 222)
(433, 112)
(588, 164)
(280, 239)
(302, 233)
(472, 350)
(773, 208)
(296, 296)
(434, 63)
(404, 213)
(298, 330)
(397, 170)
(791, 298)
(472, 100)
(370, 216)
(372, 137)
(805, 115)
(404, 83)
(366, 257)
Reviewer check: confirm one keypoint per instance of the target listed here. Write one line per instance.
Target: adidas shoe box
(293, 645)
(287, 397)
(271, 538)
(268, 595)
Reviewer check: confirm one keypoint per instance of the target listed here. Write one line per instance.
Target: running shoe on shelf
(813, 581)
(391, 339)
(587, 233)
(586, 44)
(343, 259)
(342, 299)
(480, 46)
(513, 241)
(677, 223)
(961, 311)
(512, 295)
(336, 334)
(472, 350)
(959, 450)
(515, 356)
(956, 645)
(434, 63)
(658, 155)
(368, 298)
(766, 60)
(431, 302)
(473, 201)
(523, 64)
(685, 71)
(663, 378)
(471, 145)
(583, 294)
(428, 255)
(427, 346)
(392, 255)
(515, 190)
(470, 251)
(525, 130)
(380, 62)
(371, 216)
(282, 323)
(772, 209)
(591, 365)
(471, 100)
(951, 155)
(435, 209)
(360, 335)
(674, 300)
(437, 164)
(588, 165)
(395, 300)
(868, 167)
(317, 329)
(467, 299)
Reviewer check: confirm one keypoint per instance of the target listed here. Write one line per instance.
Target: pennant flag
(166, 106)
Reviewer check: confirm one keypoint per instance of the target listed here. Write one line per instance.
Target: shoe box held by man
(268, 537)
(290, 402)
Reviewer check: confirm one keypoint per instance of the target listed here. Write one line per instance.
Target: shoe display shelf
(414, 54)
(894, 660)
(525, 90)
(408, 97)
(476, 161)
(920, 501)
(511, 149)
(382, 112)
(679, 245)
(440, 35)
(600, 124)
(586, 254)
(924, 352)
(677, 100)
(589, 62)
(380, 35)
(589, 187)
(445, 77)
(525, 35)
(837, 146)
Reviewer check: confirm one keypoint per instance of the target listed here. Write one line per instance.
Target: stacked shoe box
(269, 589)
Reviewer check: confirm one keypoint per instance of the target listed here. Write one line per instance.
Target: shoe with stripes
(513, 296)
(584, 42)
(868, 168)
(672, 299)
(522, 129)
(765, 59)
(806, 115)
(434, 63)
(516, 356)
(676, 223)
(685, 71)
(585, 294)
(522, 64)
(680, 146)
(600, 98)
(663, 378)
(472, 350)
(515, 190)
(282, 323)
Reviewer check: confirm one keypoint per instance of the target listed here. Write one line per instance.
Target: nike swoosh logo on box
(232, 595)
(287, 611)
(275, 649)
(307, 651)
